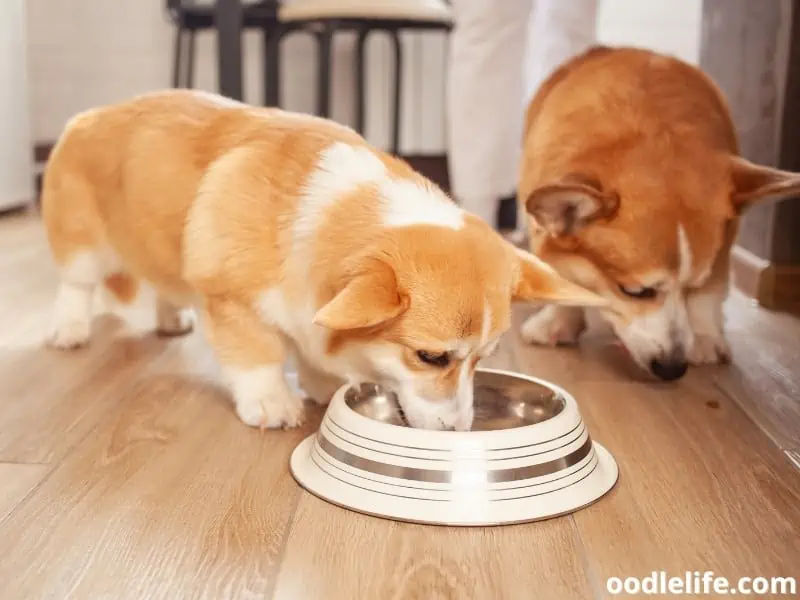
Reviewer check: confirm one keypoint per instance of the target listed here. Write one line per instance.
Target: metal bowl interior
(501, 402)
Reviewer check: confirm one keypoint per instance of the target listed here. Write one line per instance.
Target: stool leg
(272, 65)
(190, 60)
(324, 42)
(361, 91)
(398, 90)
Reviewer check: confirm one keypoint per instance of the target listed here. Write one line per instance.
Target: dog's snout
(669, 369)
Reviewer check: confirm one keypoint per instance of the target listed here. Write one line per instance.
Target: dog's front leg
(704, 306)
(554, 325)
(252, 355)
(708, 324)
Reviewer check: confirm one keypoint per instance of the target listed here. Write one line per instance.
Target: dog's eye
(440, 359)
(641, 293)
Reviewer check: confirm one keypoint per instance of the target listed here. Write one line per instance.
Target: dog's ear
(562, 208)
(368, 298)
(754, 183)
(539, 282)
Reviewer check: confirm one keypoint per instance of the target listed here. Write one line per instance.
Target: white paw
(554, 326)
(274, 410)
(710, 350)
(173, 321)
(70, 335)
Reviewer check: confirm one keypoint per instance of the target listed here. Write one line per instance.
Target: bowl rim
(428, 439)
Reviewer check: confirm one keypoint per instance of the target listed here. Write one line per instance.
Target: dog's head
(417, 310)
(646, 229)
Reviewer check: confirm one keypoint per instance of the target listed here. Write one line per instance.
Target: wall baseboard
(774, 286)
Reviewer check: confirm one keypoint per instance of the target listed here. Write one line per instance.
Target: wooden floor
(125, 474)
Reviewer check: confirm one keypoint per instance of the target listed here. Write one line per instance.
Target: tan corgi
(292, 237)
(634, 185)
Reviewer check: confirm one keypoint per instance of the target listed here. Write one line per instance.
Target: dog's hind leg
(73, 305)
(172, 320)
(76, 236)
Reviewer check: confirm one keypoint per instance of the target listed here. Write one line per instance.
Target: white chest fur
(294, 319)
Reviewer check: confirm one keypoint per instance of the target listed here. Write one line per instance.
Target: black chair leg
(398, 90)
(324, 43)
(190, 56)
(272, 65)
(361, 91)
(177, 59)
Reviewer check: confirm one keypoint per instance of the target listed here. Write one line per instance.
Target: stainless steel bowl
(501, 402)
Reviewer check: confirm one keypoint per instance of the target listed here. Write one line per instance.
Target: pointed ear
(564, 207)
(368, 299)
(754, 183)
(538, 282)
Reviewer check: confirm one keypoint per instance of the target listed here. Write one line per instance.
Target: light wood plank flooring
(125, 474)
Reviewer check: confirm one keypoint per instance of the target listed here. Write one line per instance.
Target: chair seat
(430, 11)
(201, 16)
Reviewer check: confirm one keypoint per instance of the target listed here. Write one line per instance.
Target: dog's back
(122, 179)
(615, 100)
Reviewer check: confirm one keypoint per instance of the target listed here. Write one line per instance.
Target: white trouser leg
(558, 30)
(485, 97)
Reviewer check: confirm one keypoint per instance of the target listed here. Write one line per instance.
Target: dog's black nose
(669, 370)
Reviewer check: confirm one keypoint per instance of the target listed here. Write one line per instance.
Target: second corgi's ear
(368, 299)
(562, 208)
(754, 183)
(538, 282)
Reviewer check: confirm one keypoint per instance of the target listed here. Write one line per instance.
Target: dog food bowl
(528, 457)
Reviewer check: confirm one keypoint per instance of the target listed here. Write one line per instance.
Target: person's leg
(485, 94)
(557, 31)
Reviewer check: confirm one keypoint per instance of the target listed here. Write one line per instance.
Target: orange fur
(122, 286)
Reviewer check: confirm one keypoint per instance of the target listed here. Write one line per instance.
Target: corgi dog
(634, 186)
(291, 237)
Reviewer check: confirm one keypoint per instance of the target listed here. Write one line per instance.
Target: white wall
(16, 168)
(88, 52)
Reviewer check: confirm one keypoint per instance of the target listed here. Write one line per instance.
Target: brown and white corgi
(634, 185)
(291, 236)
